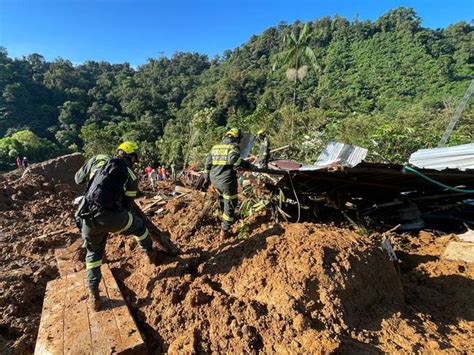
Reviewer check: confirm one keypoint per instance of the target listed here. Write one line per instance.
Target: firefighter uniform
(106, 209)
(113, 219)
(220, 165)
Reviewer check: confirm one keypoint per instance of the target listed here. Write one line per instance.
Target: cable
(296, 196)
(437, 182)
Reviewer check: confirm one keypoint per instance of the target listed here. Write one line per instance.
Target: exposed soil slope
(284, 288)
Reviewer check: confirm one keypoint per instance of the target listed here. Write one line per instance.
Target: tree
(24, 143)
(296, 56)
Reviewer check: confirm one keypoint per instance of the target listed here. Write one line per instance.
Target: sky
(132, 31)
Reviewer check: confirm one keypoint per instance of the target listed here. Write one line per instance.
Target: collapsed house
(436, 189)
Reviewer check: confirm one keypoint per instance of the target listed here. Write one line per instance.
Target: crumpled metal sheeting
(344, 154)
(459, 157)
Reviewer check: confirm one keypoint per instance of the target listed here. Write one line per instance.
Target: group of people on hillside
(107, 205)
(160, 173)
(21, 162)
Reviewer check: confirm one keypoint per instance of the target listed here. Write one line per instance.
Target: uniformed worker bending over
(106, 208)
(220, 168)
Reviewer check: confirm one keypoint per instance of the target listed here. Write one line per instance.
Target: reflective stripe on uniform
(143, 236)
(219, 162)
(129, 223)
(229, 197)
(132, 174)
(222, 146)
(131, 193)
(93, 264)
(227, 218)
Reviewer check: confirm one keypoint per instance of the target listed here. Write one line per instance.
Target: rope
(296, 196)
(416, 172)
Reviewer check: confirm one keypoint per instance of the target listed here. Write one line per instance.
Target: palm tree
(294, 57)
(296, 54)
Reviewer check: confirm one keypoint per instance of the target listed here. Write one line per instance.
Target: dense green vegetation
(389, 85)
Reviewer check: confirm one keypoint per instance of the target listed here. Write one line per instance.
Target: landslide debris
(32, 209)
(284, 287)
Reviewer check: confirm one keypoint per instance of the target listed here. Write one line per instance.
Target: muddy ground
(283, 287)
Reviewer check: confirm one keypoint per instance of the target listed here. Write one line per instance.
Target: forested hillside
(389, 85)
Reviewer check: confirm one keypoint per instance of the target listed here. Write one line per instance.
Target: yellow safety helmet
(234, 132)
(261, 132)
(129, 148)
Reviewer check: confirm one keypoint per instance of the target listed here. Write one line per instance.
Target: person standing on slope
(220, 167)
(107, 208)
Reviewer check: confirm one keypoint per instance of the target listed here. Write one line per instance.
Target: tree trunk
(294, 109)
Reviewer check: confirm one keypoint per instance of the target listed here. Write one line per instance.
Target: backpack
(106, 189)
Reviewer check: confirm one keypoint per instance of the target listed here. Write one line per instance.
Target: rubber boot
(225, 234)
(94, 299)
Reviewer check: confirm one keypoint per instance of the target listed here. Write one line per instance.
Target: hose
(416, 172)
(296, 196)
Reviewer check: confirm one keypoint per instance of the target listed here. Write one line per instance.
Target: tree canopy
(390, 85)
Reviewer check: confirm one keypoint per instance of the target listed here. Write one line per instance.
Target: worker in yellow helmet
(220, 167)
(106, 207)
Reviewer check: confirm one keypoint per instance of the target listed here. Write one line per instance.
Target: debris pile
(281, 287)
(35, 217)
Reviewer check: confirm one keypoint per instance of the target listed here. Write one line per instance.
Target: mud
(285, 287)
(30, 210)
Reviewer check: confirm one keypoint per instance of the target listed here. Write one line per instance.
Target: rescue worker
(106, 208)
(263, 150)
(220, 169)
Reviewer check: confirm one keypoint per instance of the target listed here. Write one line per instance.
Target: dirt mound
(60, 170)
(32, 208)
(285, 287)
(282, 288)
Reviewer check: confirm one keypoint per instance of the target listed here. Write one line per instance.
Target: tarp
(459, 157)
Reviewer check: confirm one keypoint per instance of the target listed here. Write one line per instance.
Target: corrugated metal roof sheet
(344, 154)
(458, 157)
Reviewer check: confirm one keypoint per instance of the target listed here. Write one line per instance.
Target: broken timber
(69, 326)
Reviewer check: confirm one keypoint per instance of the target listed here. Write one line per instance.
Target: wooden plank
(459, 251)
(131, 338)
(104, 332)
(51, 330)
(77, 335)
(65, 263)
(69, 326)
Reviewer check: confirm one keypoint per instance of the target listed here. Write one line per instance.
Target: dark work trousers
(95, 231)
(228, 201)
